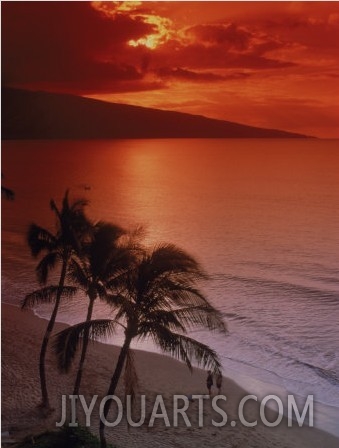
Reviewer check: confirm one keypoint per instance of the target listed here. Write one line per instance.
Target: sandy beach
(21, 337)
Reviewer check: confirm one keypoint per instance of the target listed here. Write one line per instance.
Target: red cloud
(227, 35)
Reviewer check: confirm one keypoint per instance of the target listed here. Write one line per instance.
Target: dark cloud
(311, 32)
(229, 35)
(258, 62)
(189, 75)
(230, 45)
(197, 56)
(64, 42)
(71, 46)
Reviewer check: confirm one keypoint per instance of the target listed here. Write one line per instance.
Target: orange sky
(269, 64)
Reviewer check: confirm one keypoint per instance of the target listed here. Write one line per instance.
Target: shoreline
(158, 374)
(326, 417)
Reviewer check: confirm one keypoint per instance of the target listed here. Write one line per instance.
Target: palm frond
(123, 305)
(67, 341)
(132, 240)
(72, 224)
(138, 233)
(7, 193)
(169, 258)
(99, 290)
(179, 292)
(185, 348)
(47, 295)
(45, 265)
(164, 265)
(119, 261)
(104, 249)
(79, 204)
(40, 239)
(202, 316)
(78, 272)
(168, 318)
(65, 201)
(55, 209)
(106, 232)
(114, 300)
(119, 280)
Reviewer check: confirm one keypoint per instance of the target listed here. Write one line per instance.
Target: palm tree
(103, 258)
(7, 192)
(157, 298)
(58, 249)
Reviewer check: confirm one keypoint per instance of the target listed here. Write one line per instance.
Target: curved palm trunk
(112, 387)
(43, 350)
(84, 348)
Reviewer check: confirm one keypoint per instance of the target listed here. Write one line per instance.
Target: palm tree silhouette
(156, 298)
(58, 248)
(103, 258)
(7, 192)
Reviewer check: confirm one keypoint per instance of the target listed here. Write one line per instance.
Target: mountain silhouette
(41, 115)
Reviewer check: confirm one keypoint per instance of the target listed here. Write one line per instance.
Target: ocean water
(261, 216)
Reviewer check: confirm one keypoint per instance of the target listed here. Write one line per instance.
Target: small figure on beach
(209, 382)
(219, 382)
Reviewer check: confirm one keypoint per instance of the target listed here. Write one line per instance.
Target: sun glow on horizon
(161, 35)
(161, 26)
